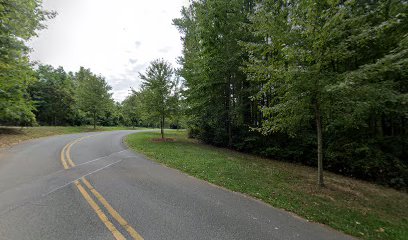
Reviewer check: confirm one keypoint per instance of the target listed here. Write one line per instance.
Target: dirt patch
(11, 131)
(163, 139)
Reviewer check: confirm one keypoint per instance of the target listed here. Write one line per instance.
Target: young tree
(157, 91)
(93, 95)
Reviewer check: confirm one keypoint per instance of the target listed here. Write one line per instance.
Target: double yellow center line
(68, 163)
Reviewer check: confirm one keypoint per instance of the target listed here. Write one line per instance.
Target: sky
(114, 38)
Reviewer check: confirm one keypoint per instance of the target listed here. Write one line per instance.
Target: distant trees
(316, 78)
(158, 91)
(132, 109)
(19, 21)
(79, 98)
(93, 94)
(53, 95)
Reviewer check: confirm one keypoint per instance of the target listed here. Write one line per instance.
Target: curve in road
(104, 191)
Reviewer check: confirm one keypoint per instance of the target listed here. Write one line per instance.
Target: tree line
(61, 98)
(35, 94)
(322, 83)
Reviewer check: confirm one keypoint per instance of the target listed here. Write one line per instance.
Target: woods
(19, 21)
(322, 83)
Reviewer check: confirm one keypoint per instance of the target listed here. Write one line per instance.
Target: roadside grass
(13, 135)
(358, 208)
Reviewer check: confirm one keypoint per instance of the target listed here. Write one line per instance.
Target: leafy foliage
(157, 92)
(93, 94)
(54, 96)
(328, 75)
(19, 21)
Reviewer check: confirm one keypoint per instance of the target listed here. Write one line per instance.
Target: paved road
(88, 186)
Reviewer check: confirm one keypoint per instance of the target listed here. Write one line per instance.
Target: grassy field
(14, 135)
(355, 207)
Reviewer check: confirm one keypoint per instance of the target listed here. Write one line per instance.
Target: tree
(19, 21)
(157, 91)
(217, 90)
(93, 95)
(54, 96)
(131, 109)
(316, 78)
(314, 57)
(178, 112)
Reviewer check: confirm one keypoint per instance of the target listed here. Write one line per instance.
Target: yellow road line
(64, 163)
(68, 150)
(99, 212)
(67, 163)
(112, 211)
(68, 154)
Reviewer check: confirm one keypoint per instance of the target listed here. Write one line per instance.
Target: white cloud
(114, 38)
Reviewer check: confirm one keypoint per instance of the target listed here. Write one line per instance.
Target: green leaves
(158, 92)
(93, 96)
(19, 21)
(284, 67)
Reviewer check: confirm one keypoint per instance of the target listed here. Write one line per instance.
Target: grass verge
(13, 135)
(355, 207)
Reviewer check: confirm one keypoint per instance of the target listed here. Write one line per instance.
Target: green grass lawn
(14, 135)
(362, 209)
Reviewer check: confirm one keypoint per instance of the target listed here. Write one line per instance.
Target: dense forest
(315, 82)
(321, 83)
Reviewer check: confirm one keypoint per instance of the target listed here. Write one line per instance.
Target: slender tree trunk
(162, 126)
(229, 112)
(319, 144)
(94, 120)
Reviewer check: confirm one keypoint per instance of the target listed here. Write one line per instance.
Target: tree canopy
(93, 94)
(19, 22)
(298, 79)
(158, 91)
(322, 83)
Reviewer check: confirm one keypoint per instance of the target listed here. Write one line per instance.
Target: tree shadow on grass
(11, 131)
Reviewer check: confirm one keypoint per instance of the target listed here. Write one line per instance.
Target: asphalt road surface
(89, 186)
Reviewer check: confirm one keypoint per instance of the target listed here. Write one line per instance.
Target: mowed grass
(13, 135)
(362, 209)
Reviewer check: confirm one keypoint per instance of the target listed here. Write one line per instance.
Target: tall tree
(19, 21)
(54, 96)
(93, 94)
(217, 89)
(157, 90)
(313, 55)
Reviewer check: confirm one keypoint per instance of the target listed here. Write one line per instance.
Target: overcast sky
(114, 38)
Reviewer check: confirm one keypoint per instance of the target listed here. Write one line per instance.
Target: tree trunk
(162, 126)
(229, 127)
(94, 120)
(319, 145)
